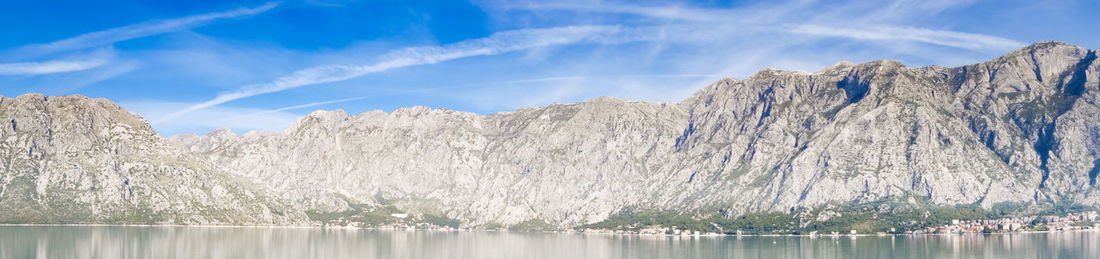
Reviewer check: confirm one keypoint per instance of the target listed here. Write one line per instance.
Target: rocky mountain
(1021, 130)
(73, 159)
(570, 163)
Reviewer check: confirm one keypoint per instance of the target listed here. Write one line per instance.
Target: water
(227, 242)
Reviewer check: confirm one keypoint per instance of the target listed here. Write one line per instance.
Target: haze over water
(234, 242)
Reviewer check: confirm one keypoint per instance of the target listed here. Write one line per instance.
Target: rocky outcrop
(72, 159)
(1022, 128)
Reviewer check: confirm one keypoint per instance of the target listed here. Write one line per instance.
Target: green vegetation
(493, 226)
(359, 213)
(442, 221)
(1064, 207)
(752, 223)
(366, 215)
(534, 225)
(881, 216)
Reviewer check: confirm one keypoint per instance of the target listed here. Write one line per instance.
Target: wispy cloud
(72, 63)
(49, 67)
(110, 36)
(69, 82)
(664, 12)
(105, 38)
(496, 43)
(807, 17)
(308, 105)
(938, 37)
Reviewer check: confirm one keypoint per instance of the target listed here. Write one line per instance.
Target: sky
(194, 66)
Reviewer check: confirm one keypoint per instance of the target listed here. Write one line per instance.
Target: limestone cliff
(73, 159)
(1022, 128)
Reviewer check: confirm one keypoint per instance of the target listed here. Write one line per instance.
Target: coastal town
(1089, 220)
(1072, 221)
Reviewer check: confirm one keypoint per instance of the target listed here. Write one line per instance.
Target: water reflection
(223, 242)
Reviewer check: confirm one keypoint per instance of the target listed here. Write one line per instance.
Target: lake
(256, 242)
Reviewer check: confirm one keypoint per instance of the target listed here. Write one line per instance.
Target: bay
(263, 242)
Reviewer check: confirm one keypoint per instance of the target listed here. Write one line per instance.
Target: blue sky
(192, 66)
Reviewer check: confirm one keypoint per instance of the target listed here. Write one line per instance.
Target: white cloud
(663, 12)
(496, 43)
(867, 21)
(69, 82)
(86, 61)
(938, 37)
(110, 36)
(308, 105)
(49, 67)
(107, 37)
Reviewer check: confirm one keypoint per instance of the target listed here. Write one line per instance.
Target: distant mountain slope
(72, 159)
(1022, 129)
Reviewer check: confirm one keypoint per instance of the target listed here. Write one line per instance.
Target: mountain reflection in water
(259, 242)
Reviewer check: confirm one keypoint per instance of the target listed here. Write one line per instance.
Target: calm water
(199, 242)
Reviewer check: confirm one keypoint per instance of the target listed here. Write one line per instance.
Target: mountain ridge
(697, 129)
(1004, 131)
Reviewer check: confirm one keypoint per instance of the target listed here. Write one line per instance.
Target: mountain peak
(606, 99)
(1048, 44)
(772, 72)
(1045, 48)
(1048, 60)
(842, 65)
(326, 113)
(221, 132)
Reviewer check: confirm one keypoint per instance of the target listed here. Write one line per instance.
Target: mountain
(73, 159)
(1019, 129)
(570, 163)
(1019, 133)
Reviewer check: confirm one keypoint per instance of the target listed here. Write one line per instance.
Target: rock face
(1021, 128)
(570, 163)
(72, 159)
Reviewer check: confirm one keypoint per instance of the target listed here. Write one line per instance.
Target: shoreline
(580, 232)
